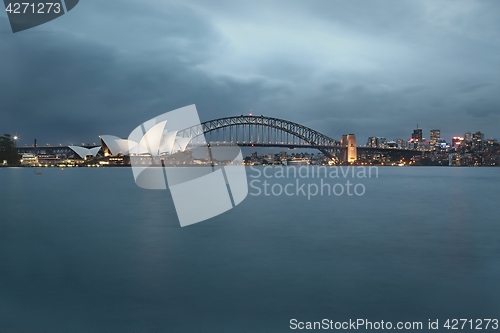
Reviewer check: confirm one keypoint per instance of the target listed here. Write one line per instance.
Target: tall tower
(478, 141)
(435, 136)
(352, 150)
(349, 142)
(417, 135)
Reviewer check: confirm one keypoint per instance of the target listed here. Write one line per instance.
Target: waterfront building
(29, 159)
(50, 160)
(164, 143)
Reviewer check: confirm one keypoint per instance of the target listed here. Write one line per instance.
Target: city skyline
(327, 65)
(29, 143)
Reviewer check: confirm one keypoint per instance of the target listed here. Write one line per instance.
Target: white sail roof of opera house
(115, 145)
(155, 141)
(84, 152)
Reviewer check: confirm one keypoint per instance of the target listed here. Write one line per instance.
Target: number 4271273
(33, 8)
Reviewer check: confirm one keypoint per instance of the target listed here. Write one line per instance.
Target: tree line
(8, 150)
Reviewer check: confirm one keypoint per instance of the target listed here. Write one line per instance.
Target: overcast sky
(373, 68)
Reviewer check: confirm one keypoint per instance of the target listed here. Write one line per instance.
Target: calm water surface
(86, 250)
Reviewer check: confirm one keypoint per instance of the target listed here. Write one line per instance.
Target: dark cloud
(363, 67)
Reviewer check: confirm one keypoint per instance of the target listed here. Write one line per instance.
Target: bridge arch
(312, 138)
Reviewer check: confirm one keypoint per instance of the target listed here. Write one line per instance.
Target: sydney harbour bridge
(261, 131)
(254, 131)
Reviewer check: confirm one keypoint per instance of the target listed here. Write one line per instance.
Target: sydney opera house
(156, 146)
(149, 145)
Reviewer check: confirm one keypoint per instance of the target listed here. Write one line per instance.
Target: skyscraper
(477, 141)
(435, 136)
(456, 141)
(416, 138)
(417, 135)
(372, 142)
(401, 143)
(376, 142)
(381, 142)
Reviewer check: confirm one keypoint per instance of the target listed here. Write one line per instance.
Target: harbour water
(86, 250)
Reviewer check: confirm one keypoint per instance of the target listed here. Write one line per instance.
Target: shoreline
(248, 166)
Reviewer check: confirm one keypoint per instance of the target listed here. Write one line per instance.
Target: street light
(15, 140)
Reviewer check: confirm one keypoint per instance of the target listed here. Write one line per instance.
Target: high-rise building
(401, 143)
(468, 137)
(416, 139)
(456, 141)
(376, 142)
(381, 142)
(372, 142)
(417, 135)
(477, 141)
(435, 136)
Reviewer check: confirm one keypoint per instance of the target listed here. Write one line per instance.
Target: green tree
(8, 151)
